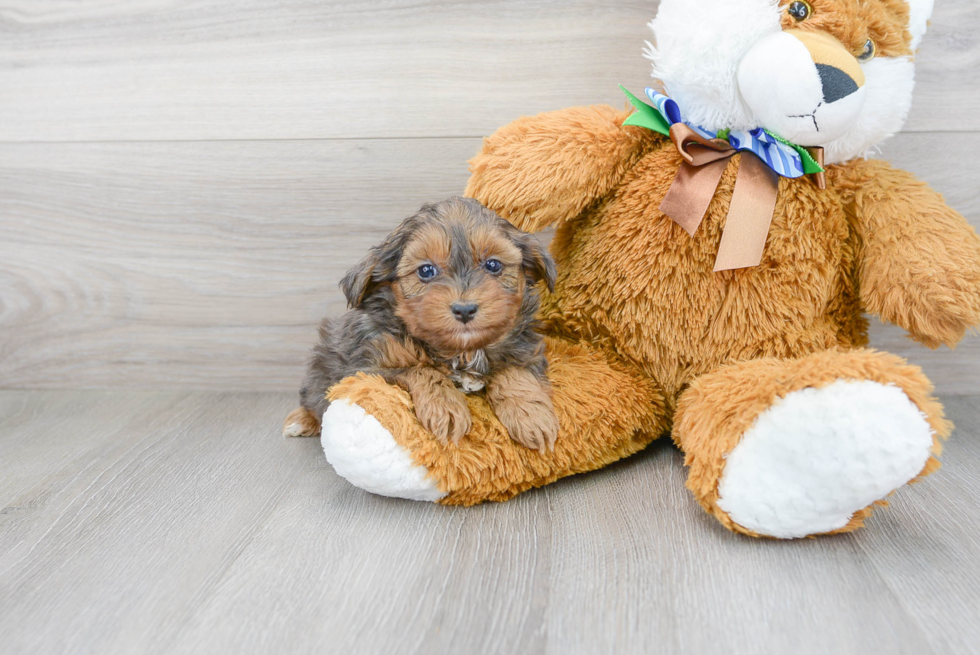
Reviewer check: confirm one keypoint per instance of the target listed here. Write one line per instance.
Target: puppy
(443, 307)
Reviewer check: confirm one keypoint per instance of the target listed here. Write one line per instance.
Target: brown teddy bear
(716, 251)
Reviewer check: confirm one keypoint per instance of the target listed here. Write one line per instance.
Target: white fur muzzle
(780, 83)
(729, 65)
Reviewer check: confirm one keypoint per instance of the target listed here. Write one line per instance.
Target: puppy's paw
(530, 421)
(523, 405)
(445, 414)
(300, 423)
(440, 407)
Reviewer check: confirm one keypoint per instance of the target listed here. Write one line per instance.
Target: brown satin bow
(753, 200)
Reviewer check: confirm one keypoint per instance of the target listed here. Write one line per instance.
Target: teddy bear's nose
(840, 73)
(836, 83)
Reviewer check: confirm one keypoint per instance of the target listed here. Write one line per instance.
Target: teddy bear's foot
(805, 447)
(372, 437)
(365, 453)
(817, 456)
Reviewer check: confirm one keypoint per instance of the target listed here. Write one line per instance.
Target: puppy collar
(467, 371)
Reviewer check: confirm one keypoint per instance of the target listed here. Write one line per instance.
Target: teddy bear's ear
(920, 11)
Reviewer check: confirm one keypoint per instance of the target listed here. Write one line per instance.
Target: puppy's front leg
(523, 404)
(440, 407)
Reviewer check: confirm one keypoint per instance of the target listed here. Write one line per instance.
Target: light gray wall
(182, 183)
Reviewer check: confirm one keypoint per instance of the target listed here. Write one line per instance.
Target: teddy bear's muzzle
(804, 86)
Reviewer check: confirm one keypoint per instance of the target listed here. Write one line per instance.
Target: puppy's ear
(537, 262)
(379, 267)
(358, 282)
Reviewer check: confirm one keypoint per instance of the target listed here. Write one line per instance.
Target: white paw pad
(817, 456)
(363, 452)
(293, 430)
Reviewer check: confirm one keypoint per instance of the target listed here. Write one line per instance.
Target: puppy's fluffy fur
(444, 306)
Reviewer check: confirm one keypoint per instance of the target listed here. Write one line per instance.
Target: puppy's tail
(301, 423)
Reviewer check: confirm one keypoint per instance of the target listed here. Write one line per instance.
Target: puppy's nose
(464, 311)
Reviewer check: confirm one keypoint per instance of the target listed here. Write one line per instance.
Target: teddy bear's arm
(541, 170)
(919, 259)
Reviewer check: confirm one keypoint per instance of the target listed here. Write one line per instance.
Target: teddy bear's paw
(816, 457)
(365, 453)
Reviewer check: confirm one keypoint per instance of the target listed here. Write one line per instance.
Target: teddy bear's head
(831, 73)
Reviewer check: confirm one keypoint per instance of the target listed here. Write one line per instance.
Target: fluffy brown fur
(854, 22)
(876, 238)
(439, 405)
(450, 296)
(524, 407)
(720, 406)
(645, 339)
(642, 292)
(597, 401)
(634, 283)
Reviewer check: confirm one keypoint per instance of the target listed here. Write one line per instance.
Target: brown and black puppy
(444, 306)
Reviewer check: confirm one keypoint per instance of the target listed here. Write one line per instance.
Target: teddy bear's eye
(800, 10)
(869, 51)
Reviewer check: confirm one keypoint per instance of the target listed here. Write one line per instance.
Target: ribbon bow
(765, 157)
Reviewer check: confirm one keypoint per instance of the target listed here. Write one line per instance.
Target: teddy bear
(718, 245)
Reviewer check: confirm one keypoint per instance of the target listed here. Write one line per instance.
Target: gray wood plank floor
(140, 522)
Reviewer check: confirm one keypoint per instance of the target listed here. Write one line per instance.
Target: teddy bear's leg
(792, 448)
(605, 411)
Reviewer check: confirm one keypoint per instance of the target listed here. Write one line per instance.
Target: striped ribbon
(783, 158)
(705, 154)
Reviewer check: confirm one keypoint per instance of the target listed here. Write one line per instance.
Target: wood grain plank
(611, 562)
(352, 572)
(206, 532)
(32, 429)
(947, 58)
(208, 265)
(925, 549)
(193, 265)
(298, 69)
(113, 556)
(638, 567)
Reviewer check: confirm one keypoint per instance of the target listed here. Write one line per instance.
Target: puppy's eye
(800, 10)
(426, 272)
(493, 266)
(869, 51)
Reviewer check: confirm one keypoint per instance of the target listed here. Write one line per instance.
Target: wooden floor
(181, 187)
(182, 523)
